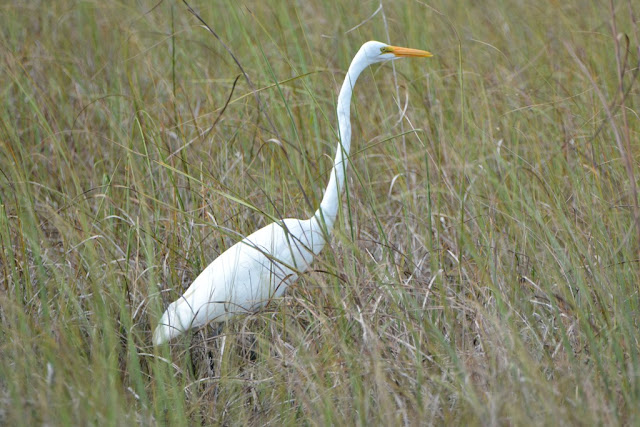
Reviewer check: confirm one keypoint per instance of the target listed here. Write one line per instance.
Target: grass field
(484, 268)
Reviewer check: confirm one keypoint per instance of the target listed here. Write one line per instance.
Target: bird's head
(381, 52)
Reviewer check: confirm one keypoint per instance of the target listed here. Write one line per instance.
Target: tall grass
(485, 267)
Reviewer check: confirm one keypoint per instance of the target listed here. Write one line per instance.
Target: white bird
(262, 265)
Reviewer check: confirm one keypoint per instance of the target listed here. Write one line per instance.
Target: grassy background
(485, 265)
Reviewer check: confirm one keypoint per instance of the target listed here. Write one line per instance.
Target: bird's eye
(385, 49)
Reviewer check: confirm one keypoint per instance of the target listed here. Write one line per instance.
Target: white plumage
(261, 266)
(244, 277)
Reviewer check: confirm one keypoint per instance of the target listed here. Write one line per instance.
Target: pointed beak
(408, 52)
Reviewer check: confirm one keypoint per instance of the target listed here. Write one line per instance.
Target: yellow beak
(408, 52)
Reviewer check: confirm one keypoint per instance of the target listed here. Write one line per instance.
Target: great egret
(261, 266)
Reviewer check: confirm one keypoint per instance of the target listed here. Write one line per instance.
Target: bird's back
(244, 277)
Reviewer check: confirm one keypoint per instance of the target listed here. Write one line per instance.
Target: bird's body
(261, 266)
(245, 277)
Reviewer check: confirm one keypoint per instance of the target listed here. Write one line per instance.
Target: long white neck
(328, 210)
